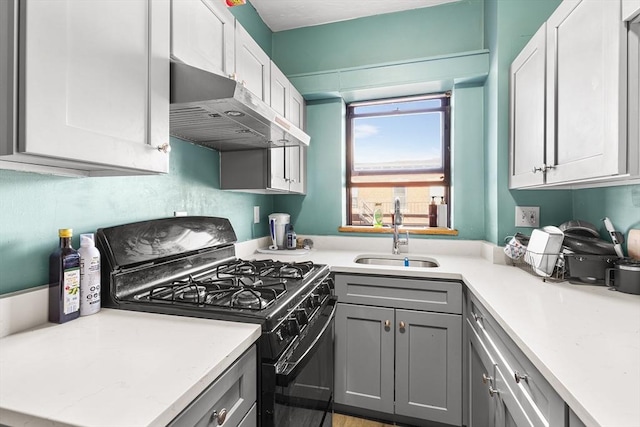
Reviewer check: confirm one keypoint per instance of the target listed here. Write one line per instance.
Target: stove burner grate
(243, 292)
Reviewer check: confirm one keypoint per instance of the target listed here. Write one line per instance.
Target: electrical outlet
(256, 214)
(527, 216)
(179, 213)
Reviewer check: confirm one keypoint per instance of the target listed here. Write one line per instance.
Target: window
(397, 148)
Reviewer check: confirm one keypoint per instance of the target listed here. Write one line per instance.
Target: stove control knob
(301, 317)
(293, 328)
(325, 289)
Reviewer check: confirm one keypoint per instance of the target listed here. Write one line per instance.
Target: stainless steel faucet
(397, 221)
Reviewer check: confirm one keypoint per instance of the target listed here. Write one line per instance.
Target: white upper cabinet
(631, 10)
(253, 65)
(285, 99)
(280, 91)
(573, 91)
(93, 88)
(586, 100)
(203, 35)
(527, 113)
(297, 109)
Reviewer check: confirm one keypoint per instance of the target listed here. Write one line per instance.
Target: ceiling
(282, 15)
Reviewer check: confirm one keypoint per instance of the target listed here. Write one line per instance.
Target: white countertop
(114, 368)
(584, 339)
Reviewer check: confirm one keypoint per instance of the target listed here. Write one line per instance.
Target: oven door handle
(291, 372)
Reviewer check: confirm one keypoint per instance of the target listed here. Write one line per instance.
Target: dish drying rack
(550, 267)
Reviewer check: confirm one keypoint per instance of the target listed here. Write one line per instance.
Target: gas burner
(248, 298)
(192, 294)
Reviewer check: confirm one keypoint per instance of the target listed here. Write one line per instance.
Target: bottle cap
(65, 232)
(87, 239)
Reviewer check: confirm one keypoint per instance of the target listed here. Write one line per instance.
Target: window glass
(397, 149)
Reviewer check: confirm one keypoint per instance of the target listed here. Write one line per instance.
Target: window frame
(445, 108)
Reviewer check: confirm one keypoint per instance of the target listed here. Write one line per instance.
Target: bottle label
(89, 285)
(71, 291)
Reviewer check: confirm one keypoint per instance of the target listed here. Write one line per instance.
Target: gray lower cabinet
(503, 386)
(229, 400)
(398, 361)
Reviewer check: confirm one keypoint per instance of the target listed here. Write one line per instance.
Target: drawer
(411, 293)
(523, 379)
(235, 391)
(251, 419)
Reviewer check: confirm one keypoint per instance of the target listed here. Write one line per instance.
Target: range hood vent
(220, 113)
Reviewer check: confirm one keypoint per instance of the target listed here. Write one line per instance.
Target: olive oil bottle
(64, 280)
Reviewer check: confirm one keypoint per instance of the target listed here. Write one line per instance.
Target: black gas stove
(187, 266)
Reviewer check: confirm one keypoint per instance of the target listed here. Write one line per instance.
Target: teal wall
(396, 37)
(621, 204)
(510, 25)
(35, 206)
(321, 211)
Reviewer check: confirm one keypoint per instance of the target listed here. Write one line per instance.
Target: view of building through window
(397, 148)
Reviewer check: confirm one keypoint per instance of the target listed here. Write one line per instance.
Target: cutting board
(284, 251)
(633, 243)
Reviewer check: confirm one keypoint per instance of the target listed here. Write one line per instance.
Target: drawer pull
(387, 323)
(220, 417)
(486, 379)
(519, 377)
(402, 325)
(476, 317)
(493, 391)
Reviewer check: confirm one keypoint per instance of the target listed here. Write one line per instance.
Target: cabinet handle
(164, 148)
(542, 169)
(486, 379)
(402, 325)
(519, 377)
(219, 417)
(476, 317)
(387, 323)
(493, 391)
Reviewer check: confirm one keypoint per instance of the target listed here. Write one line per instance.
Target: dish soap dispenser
(377, 215)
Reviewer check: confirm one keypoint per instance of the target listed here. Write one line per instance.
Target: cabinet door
(280, 94)
(253, 66)
(95, 82)
(278, 169)
(480, 371)
(527, 113)
(428, 366)
(364, 357)
(296, 159)
(202, 35)
(297, 108)
(586, 47)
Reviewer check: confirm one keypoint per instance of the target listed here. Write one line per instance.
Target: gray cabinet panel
(428, 362)
(416, 294)
(235, 390)
(482, 407)
(364, 357)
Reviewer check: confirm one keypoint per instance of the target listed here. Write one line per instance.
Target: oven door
(298, 389)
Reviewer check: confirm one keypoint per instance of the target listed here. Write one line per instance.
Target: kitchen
(36, 205)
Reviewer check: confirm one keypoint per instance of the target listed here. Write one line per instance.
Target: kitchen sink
(397, 260)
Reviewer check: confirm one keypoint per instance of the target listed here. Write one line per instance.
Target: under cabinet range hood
(220, 113)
